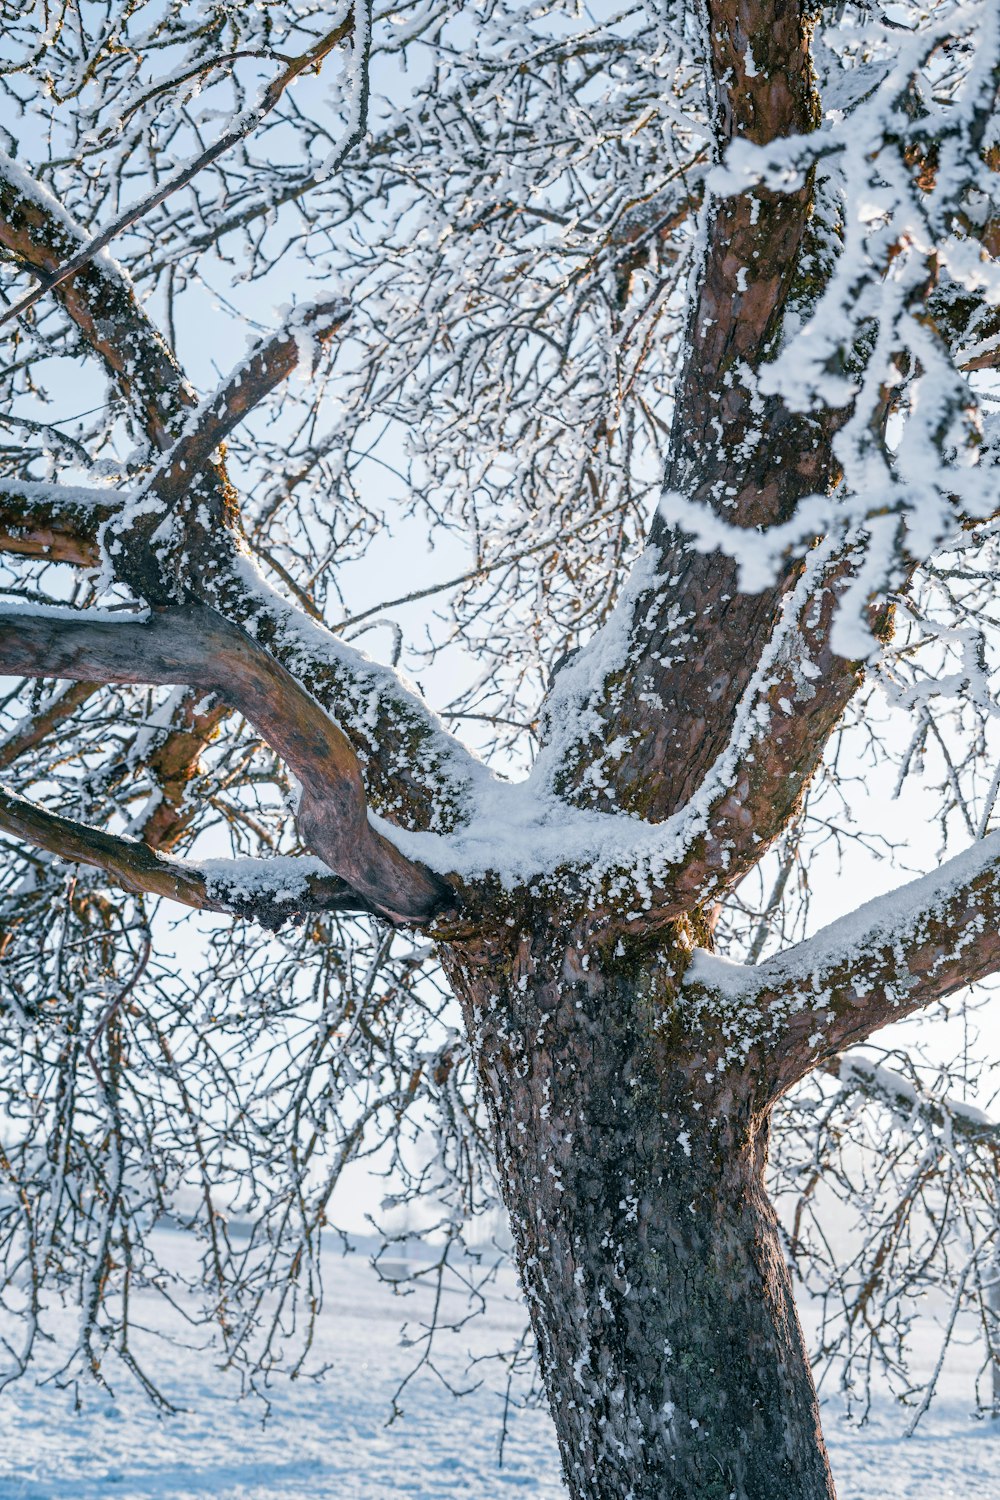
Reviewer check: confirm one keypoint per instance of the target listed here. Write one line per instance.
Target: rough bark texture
(630, 1116)
(196, 646)
(648, 1250)
(744, 455)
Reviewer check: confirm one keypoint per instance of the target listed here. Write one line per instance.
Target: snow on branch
(270, 891)
(349, 21)
(194, 645)
(57, 522)
(907, 1097)
(147, 524)
(905, 173)
(889, 958)
(411, 764)
(100, 300)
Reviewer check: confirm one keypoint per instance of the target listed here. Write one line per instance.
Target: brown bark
(630, 1112)
(60, 526)
(696, 638)
(395, 738)
(134, 866)
(779, 1020)
(104, 307)
(195, 646)
(649, 1254)
(190, 485)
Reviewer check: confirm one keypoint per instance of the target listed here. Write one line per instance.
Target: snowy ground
(328, 1440)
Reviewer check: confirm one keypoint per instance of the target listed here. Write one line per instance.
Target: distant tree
(533, 259)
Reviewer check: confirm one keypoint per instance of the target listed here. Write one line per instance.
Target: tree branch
(56, 522)
(667, 699)
(902, 1095)
(271, 890)
(172, 760)
(409, 761)
(243, 126)
(188, 470)
(193, 645)
(888, 959)
(99, 300)
(37, 727)
(781, 733)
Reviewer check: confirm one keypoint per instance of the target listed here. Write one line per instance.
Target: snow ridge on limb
(414, 770)
(268, 890)
(779, 730)
(193, 645)
(694, 638)
(891, 957)
(56, 521)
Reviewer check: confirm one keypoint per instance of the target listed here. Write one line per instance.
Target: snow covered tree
(533, 258)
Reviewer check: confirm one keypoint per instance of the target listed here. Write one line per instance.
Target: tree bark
(647, 1247)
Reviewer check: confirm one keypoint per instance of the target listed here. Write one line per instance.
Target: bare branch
(238, 131)
(408, 760)
(195, 646)
(888, 959)
(172, 761)
(269, 890)
(100, 301)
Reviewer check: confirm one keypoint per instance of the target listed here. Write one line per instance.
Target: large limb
(414, 772)
(799, 693)
(269, 890)
(668, 700)
(59, 523)
(411, 765)
(888, 959)
(195, 646)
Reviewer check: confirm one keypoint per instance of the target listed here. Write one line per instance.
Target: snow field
(328, 1439)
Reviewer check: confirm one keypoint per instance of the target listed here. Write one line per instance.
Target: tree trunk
(647, 1247)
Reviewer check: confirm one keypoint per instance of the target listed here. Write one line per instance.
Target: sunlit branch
(889, 958)
(268, 890)
(243, 126)
(195, 646)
